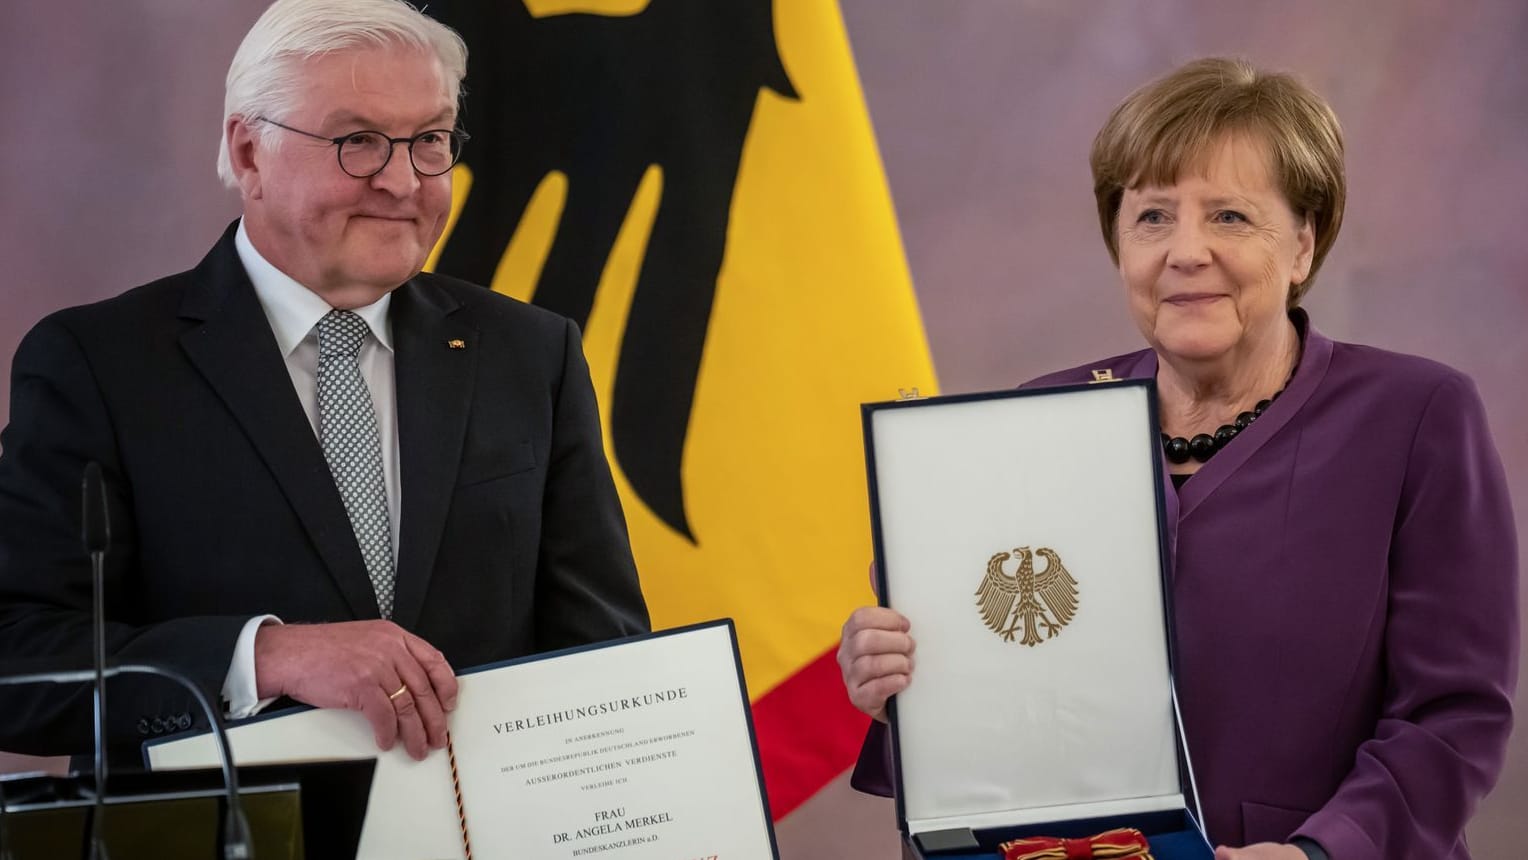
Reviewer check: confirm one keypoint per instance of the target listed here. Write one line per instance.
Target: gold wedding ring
(398, 692)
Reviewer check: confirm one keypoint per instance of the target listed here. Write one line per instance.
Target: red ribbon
(1122, 843)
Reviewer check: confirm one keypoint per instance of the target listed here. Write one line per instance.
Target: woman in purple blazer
(1344, 560)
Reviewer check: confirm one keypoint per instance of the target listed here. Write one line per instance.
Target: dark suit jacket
(1344, 583)
(512, 537)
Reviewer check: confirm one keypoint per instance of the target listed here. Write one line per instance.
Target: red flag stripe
(808, 733)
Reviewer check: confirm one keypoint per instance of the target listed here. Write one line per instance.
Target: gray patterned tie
(352, 445)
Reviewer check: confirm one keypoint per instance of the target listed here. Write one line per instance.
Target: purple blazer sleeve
(872, 772)
(1451, 647)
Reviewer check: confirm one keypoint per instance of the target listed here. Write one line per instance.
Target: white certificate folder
(1021, 533)
(641, 748)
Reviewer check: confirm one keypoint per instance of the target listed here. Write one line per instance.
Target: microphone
(96, 522)
(96, 532)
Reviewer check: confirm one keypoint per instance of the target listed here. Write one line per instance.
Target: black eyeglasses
(363, 154)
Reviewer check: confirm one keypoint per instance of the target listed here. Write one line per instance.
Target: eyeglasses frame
(460, 136)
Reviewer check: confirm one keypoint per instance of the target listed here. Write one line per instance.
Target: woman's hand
(875, 655)
(1260, 851)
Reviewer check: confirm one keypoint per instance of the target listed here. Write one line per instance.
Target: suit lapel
(235, 350)
(1143, 365)
(435, 366)
(1314, 360)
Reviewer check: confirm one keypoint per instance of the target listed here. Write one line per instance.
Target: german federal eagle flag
(696, 183)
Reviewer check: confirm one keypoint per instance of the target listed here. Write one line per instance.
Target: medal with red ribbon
(1110, 845)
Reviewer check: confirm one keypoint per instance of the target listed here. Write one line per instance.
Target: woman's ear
(1305, 240)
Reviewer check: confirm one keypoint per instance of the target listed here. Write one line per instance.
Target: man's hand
(362, 666)
(875, 656)
(1260, 851)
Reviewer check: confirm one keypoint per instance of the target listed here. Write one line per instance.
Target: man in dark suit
(331, 477)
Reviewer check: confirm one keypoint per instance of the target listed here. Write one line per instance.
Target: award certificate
(641, 748)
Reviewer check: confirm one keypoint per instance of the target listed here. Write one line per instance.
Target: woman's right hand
(875, 655)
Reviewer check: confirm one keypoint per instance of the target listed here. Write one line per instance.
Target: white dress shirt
(293, 312)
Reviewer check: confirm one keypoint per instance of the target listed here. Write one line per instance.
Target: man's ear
(243, 149)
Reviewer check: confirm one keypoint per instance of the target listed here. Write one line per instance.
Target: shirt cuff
(1311, 849)
(240, 691)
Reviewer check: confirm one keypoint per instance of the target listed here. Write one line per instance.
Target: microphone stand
(5, 833)
(97, 534)
(237, 843)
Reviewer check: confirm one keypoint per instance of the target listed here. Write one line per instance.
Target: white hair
(264, 74)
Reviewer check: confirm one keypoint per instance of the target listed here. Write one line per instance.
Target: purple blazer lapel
(1143, 365)
(1314, 361)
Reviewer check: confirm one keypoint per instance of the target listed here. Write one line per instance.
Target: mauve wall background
(984, 110)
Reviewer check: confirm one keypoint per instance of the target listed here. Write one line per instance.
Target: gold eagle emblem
(1047, 599)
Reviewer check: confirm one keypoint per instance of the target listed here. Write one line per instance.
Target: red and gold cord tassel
(456, 785)
(1110, 845)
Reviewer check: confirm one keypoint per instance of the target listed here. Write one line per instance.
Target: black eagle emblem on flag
(600, 99)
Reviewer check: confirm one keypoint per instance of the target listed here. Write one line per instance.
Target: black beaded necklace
(1203, 446)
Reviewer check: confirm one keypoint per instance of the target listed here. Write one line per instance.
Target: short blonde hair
(1170, 124)
(265, 70)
